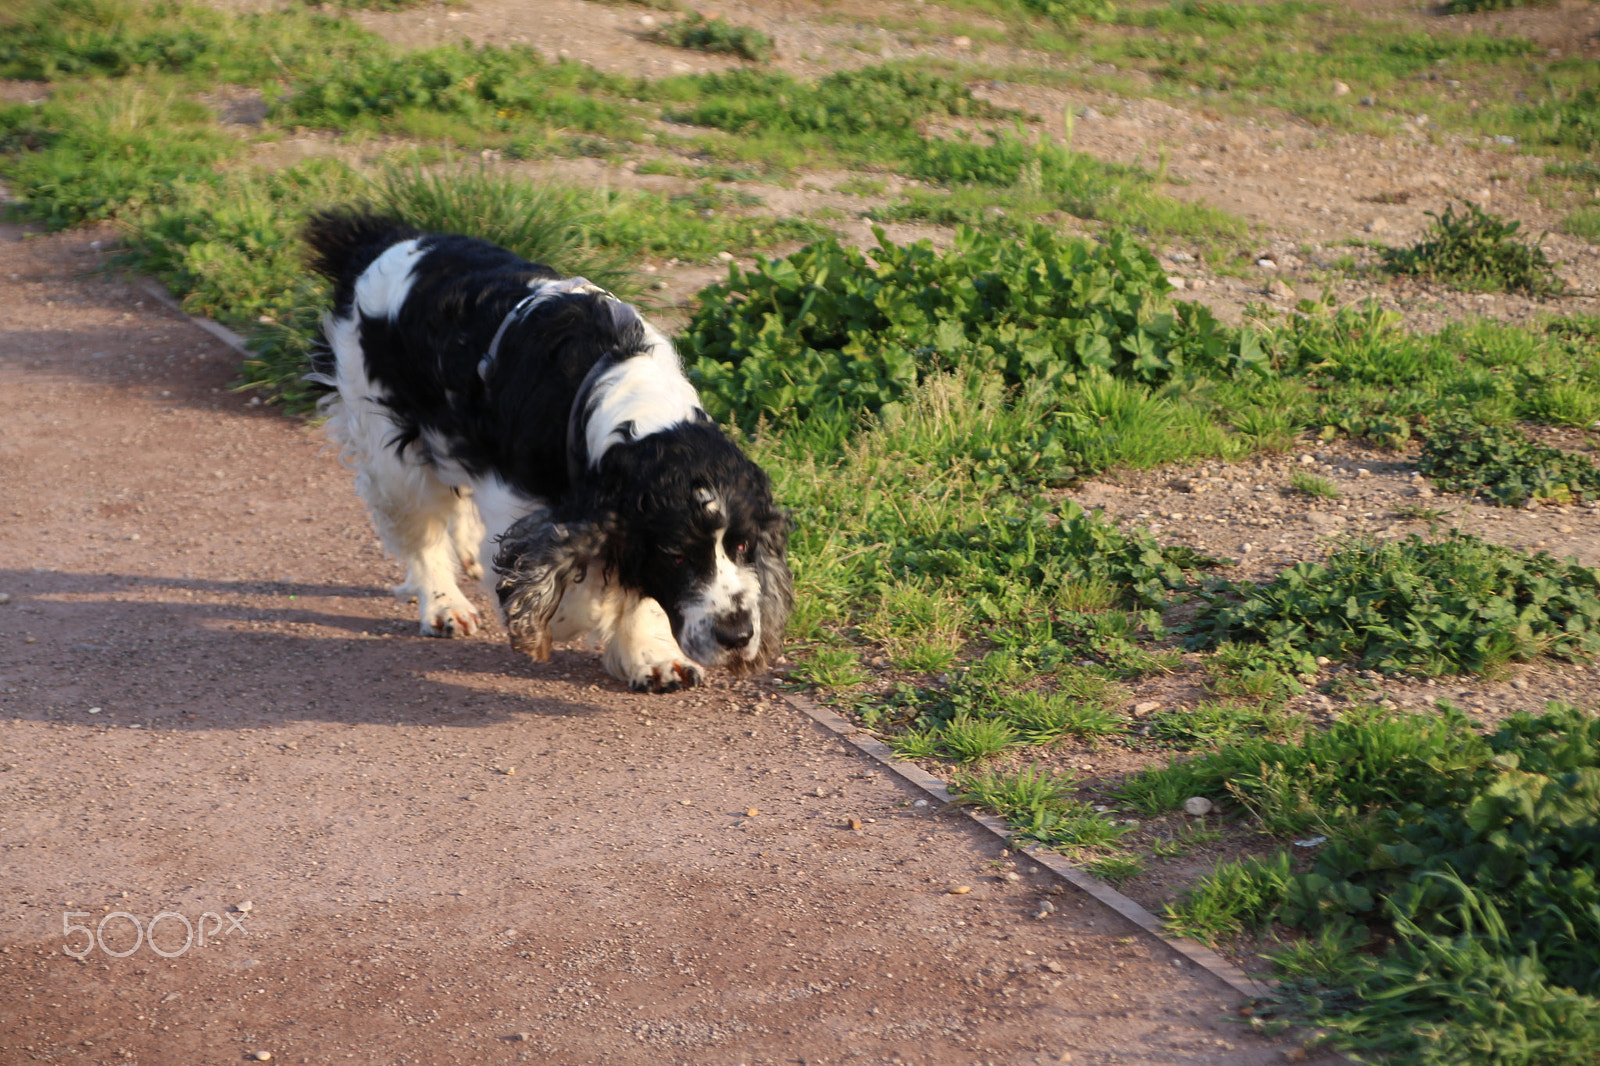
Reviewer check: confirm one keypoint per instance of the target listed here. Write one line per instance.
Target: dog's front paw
(450, 616)
(668, 676)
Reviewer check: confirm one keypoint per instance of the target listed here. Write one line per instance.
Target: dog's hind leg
(467, 533)
(416, 516)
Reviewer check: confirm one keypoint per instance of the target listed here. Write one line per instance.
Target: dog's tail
(345, 240)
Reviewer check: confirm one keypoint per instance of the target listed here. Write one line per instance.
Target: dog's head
(681, 516)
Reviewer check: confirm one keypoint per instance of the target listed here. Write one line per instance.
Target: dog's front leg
(642, 651)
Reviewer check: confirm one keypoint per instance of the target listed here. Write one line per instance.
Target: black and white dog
(508, 421)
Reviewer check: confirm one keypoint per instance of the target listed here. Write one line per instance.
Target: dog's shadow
(183, 653)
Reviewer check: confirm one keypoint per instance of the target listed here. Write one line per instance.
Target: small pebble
(960, 890)
(751, 812)
(854, 823)
(244, 908)
(5, 598)
(262, 1056)
(1197, 806)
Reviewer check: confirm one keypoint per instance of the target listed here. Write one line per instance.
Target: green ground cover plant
(1479, 251)
(60, 39)
(1451, 915)
(1466, 7)
(490, 90)
(1584, 222)
(825, 334)
(102, 151)
(717, 35)
(1501, 463)
(1453, 605)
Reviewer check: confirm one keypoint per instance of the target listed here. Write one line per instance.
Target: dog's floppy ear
(777, 586)
(538, 558)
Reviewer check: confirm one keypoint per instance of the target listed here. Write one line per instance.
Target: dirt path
(446, 853)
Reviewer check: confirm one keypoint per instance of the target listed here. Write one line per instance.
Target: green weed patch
(103, 151)
(1467, 7)
(717, 35)
(57, 39)
(885, 103)
(1572, 121)
(826, 334)
(1463, 455)
(1477, 250)
(1468, 874)
(499, 90)
(1454, 605)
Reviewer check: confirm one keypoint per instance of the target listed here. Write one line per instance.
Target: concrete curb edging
(1192, 950)
(153, 288)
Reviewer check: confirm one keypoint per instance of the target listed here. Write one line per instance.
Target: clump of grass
(1037, 804)
(1185, 841)
(969, 739)
(454, 90)
(1454, 605)
(716, 35)
(1584, 222)
(1211, 723)
(108, 151)
(1467, 7)
(1572, 120)
(1309, 484)
(1116, 869)
(547, 223)
(1077, 704)
(832, 667)
(1461, 454)
(54, 40)
(1479, 251)
(1238, 897)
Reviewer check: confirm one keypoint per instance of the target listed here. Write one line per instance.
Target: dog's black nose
(735, 632)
